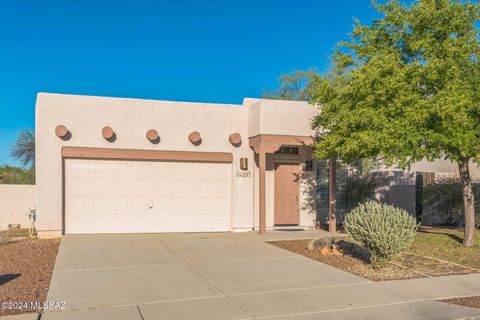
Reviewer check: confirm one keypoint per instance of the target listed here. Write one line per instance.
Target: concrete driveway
(230, 276)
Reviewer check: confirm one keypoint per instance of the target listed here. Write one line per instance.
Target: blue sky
(186, 50)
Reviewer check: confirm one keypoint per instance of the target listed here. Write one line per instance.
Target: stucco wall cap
(107, 132)
(194, 137)
(61, 131)
(152, 135)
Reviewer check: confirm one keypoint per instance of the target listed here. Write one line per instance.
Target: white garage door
(146, 196)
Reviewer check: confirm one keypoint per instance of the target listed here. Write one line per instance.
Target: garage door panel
(202, 221)
(97, 168)
(141, 205)
(77, 223)
(220, 187)
(219, 170)
(119, 168)
(119, 224)
(162, 223)
(73, 169)
(182, 186)
(181, 206)
(77, 185)
(161, 186)
(98, 205)
(201, 186)
(78, 204)
(161, 169)
(181, 169)
(118, 185)
(141, 185)
(119, 206)
(162, 206)
(201, 170)
(96, 185)
(98, 223)
(201, 205)
(141, 223)
(134, 196)
(140, 168)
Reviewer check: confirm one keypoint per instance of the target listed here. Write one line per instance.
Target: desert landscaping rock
(472, 302)
(25, 271)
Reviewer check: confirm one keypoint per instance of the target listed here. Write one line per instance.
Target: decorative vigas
(108, 133)
(61, 131)
(195, 138)
(152, 136)
(235, 139)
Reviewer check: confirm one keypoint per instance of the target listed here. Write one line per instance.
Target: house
(111, 165)
(114, 165)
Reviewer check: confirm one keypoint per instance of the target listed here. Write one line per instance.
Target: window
(288, 151)
(322, 186)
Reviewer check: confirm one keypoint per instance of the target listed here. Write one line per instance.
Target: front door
(286, 193)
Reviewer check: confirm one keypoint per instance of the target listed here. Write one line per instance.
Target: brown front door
(286, 194)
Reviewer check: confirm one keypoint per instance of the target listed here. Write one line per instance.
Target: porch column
(262, 196)
(332, 195)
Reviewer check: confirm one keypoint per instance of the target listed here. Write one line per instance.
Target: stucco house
(114, 165)
(111, 165)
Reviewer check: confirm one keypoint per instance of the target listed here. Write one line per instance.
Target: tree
(24, 148)
(293, 86)
(413, 91)
(16, 175)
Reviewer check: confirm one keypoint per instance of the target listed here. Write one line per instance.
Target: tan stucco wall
(280, 117)
(442, 168)
(16, 201)
(85, 116)
(446, 168)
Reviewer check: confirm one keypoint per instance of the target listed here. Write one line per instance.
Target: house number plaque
(241, 174)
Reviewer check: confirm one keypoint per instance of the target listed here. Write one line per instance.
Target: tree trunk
(468, 203)
(332, 195)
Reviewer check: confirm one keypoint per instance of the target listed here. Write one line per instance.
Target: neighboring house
(112, 165)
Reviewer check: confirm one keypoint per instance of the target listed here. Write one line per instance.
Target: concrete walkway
(231, 276)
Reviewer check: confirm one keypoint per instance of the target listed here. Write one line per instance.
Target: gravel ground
(354, 264)
(472, 302)
(25, 271)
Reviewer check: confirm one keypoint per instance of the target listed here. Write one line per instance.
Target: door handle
(150, 207)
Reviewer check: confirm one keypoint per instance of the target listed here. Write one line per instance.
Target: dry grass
(7, 236)
(446, 244)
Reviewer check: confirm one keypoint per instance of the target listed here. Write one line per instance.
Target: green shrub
(360, 189)
(383, 230)
(16, 175)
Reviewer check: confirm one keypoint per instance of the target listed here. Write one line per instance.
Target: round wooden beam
(61, 131)
(107, 132)
(235, 138)
(194, 137)
(152, 135)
